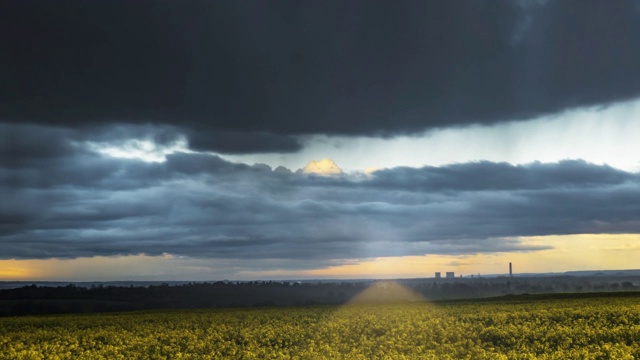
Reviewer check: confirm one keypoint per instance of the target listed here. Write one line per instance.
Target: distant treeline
(34, 300)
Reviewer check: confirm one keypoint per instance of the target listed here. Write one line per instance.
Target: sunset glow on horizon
(569, 253)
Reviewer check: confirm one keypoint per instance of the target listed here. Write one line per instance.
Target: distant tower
(510, 270)
(451, 275)
(438, 275)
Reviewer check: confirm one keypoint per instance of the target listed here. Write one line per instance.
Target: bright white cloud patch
(140, 149)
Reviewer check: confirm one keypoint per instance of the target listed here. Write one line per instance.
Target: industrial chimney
(510, 270)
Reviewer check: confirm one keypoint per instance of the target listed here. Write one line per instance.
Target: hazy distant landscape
(19, 298)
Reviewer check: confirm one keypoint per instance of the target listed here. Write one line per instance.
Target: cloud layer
(89, 89)
(253, 76)
(65, 200)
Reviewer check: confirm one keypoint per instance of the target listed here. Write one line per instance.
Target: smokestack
(510, 270)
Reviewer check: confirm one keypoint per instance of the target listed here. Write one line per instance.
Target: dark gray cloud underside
(274, 69)
(486, 175)
(61, 203)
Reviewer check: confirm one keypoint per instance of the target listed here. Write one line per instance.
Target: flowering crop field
(581, 328)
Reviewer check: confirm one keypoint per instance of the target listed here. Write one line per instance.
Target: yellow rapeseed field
(589, 328)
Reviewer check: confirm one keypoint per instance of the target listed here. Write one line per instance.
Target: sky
(200, 140)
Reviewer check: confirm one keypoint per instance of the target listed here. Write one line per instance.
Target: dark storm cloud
(18, 143)
(81, 203)
(116, 133)
(487, 175)
(273, 70)
(236, 142)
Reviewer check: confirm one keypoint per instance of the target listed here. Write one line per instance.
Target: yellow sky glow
(326, 167)
(569, 252)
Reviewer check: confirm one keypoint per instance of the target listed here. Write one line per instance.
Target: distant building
(451, 275)
(438, 275)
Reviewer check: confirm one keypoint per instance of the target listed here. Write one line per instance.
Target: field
(534, 327)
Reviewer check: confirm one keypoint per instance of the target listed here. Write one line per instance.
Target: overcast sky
(204, 140)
